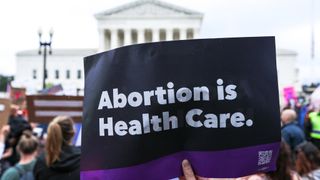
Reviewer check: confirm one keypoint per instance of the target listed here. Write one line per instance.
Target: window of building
(79, 74)
(68, 74)
(34, 74)
(56, 74)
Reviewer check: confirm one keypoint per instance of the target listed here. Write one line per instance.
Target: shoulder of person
(11, 174)
(71, 149)
(40, 168)
(40, 161)
(77, 149)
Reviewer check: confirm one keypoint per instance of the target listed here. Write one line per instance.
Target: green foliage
(49, 85)
(4, 80)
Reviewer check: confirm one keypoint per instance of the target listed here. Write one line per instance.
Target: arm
(3, 133)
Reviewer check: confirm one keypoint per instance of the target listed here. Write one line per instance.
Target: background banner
(43, 108)
(212, 101)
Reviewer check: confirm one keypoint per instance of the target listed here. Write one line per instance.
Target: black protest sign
(213, 101)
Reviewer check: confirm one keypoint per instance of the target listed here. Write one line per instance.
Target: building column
(196, 33)
(155, 35)
(102, 40)
(140, 36)
(169, 34)
(127, 37)
(114, 38)
(183, 34)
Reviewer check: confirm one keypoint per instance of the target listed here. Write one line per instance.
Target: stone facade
(137, 22)
(146, 21)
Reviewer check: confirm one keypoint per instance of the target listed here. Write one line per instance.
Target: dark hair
(283, 171)
(308, 158)
(28, 143)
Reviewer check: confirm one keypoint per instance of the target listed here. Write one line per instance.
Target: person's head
(28, 144)
(14, 110)
(60, 133)
(288, 116)
(308, 158)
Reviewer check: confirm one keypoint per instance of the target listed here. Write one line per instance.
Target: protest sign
(43, 108)
(4, 111)
(289, 94)
(214, 102)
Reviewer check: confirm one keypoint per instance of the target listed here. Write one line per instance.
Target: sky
(74, 25)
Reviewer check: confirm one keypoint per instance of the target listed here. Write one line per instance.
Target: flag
(52, 90)
(8, 89)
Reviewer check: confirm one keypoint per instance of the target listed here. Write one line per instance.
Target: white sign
(2, 107)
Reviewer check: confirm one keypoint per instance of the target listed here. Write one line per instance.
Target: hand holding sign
(188, 173)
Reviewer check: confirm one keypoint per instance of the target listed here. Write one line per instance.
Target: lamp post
(45, 44)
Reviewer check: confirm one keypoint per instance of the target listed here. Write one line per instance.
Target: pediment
(145, 8)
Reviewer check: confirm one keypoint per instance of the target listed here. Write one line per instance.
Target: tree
(4, 80)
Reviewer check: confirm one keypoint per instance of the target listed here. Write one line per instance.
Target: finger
(187, 170)
(202, 178)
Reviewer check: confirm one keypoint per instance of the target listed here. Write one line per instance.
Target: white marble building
(287, 70)
(146, 21)
(64, 67)
(137, 22)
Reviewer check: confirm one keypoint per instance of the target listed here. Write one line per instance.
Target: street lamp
(45, 44)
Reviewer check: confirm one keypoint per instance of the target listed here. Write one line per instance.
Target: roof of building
(175, 10)
(60, 52)
(87, 52)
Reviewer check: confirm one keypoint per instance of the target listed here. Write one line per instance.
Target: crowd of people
(26, 155)
(299, 154)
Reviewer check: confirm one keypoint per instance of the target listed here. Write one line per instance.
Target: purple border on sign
(219, 164)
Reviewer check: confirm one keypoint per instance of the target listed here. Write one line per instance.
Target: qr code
(264, 157)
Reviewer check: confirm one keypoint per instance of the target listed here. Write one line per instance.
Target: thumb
(187, 170)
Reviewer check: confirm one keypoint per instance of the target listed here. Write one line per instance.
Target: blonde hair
(60, 132)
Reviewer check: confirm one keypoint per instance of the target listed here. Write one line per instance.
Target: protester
(308, 161)
(312, 127)
(27, 148)
(18, 125)
(61, 160)
(290, 131)
(284, 169)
